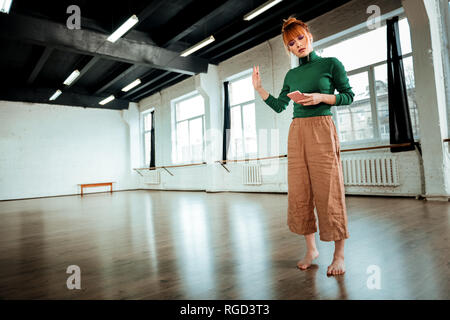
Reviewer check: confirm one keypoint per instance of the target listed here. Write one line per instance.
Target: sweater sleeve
(282, 102)
(341, 84)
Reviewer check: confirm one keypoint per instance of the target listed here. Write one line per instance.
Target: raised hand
(256, 78)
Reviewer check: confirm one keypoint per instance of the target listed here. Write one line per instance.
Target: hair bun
(291, 21)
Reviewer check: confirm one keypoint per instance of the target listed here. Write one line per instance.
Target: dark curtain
(226, 121)
(152, 141)
(400, 127)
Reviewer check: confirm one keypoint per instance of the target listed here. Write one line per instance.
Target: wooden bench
(100, 184)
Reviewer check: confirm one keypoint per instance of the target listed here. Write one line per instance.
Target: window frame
(174, 150)
(370, 69)
(235, 78)
(143, 132)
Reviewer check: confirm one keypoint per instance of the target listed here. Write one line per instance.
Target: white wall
(46, 150)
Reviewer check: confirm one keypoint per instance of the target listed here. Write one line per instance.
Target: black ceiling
(38, 52)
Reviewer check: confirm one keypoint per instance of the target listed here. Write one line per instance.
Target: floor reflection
(192, 241)
(250, 252)
(150, 233)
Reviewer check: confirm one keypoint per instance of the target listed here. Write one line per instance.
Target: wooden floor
(196, 245)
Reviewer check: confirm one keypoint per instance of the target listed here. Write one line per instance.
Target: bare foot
(305, 263)
(336, 267)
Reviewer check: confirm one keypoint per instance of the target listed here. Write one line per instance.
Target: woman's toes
(302, 266)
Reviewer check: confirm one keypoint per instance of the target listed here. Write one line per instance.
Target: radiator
(251, 174)
(151, 176)
(370, 171)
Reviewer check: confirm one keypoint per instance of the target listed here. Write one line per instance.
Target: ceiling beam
(116, 78)
(47, 33)
(146, 84)
(241, 27)
(262, 35)
(177, 31)
(40, 64)
(146, 12)
(156, 88)
(149, 10)
(42, 95)
(85, 69)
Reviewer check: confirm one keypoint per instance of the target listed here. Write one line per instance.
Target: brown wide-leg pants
(315, 179)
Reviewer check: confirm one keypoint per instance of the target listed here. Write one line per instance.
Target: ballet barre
(223, 162)
(165, 167)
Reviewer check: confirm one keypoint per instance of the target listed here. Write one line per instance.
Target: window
(147, 119)
(355, 120)
(189, 129)
(364, 58)
(382, 97)
(243, 142)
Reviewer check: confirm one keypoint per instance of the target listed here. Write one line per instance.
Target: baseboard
(69, 195)
(419, 197)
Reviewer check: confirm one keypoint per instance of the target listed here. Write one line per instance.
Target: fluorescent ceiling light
(72, 77)
(198, 46)
(123, 28)
(5, 5)
(132, 85)
(105, 101)
(261, 9)
(55, 95)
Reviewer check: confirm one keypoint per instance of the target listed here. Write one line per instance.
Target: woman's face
(300, 46)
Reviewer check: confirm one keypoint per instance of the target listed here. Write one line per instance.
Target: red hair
(292, 28)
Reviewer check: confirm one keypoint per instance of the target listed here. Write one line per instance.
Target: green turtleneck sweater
(314, 75)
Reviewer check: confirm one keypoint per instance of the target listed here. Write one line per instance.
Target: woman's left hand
(310, 99)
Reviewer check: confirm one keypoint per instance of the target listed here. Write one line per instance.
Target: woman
(314, 167)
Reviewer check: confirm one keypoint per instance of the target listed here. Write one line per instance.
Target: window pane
(235, 149)
(405, 36)
(148, 122)
(360, 85)
(411, 88)
(382, 97)
(196, 139)
(249, 128)
(367, 48)
(190, 108)
(381, 87)
(355, 121)
(241, 91)
(183, 152)
(147, 147)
